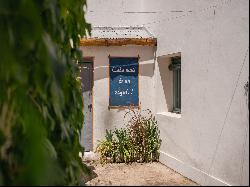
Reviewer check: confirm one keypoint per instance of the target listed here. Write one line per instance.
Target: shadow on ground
(88, 177)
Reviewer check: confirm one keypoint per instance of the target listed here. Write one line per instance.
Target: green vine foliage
(40, 98)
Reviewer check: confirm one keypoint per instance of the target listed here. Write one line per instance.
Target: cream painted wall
(114, 118)
(209, 141)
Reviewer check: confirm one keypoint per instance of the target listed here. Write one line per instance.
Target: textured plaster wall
(209, 141)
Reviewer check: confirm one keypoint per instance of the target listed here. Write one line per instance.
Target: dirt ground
(135, 174)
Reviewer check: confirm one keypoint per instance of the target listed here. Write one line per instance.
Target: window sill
(169, 114)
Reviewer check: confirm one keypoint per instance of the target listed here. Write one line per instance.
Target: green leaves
(40, 99)
(139, 142)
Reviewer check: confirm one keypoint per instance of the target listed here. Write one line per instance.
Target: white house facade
(202, 105)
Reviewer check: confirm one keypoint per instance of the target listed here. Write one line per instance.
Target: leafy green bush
(122, 146)
(40, 98)
(105, 147)
(139, 141)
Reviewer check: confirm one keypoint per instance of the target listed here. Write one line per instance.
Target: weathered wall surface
(209, 141)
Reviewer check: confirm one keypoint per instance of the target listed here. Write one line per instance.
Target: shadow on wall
(166, 80)
(147, 68)
(146, 61)
(101, 72)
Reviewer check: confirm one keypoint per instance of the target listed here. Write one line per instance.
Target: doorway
(86, 74)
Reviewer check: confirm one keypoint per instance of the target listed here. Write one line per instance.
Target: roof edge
(118, 41)
(123, 27)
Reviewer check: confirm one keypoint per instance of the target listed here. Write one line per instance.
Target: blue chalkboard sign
(123, 82)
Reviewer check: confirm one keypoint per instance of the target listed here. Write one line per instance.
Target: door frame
(91, 60)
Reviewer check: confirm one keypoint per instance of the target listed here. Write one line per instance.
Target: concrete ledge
(190, 172)
(169, 114)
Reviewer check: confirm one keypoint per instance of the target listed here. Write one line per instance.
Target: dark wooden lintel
(118, 41)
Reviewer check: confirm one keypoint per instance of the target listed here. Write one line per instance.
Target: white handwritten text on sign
(123, 81)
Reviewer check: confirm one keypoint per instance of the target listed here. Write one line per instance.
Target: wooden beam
(118, 41)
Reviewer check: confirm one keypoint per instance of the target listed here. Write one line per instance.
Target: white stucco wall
(209, 141)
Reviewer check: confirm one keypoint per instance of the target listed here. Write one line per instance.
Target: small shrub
(105, 147)
(123, 146)
(145, 135)
(138, 142)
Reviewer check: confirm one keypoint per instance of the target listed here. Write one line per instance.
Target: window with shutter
(175, 66)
